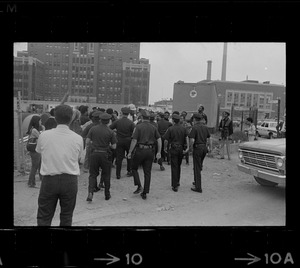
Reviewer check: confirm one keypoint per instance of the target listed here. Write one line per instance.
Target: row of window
(57, 71)
(111, 89)
(83, 68)
(248, 99)
(83, 60)
(111, 74)
(57, 46)
(110, 81)
(83, 91)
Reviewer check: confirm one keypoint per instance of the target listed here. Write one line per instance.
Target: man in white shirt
(60, 149)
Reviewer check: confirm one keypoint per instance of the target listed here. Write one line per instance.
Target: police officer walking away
(163, 125)
(199, 141)
(124, 128)
(176, 136)
(102, 139)
(159, 161)
(143, 140)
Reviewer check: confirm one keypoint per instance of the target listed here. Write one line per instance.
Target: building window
(91, 47)
(229, 96)
(76, 46)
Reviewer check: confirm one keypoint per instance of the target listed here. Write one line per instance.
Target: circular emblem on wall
(193, 93)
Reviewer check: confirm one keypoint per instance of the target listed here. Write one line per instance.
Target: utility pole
(22, 164)
(278, 115)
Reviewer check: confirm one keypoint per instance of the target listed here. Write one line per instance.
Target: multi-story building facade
(83, 72)
(56, 57)
(89, 72)
(111, 59)
(136, 76)
(29, 73)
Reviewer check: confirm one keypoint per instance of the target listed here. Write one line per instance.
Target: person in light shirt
(251, 130)
(60, 149)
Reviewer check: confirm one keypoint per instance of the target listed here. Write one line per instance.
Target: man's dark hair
(250, 119)
(176, 121)
(90, 114)
(83, 109)
(109, 110)
(176, 112)
(50, 123)
(63, 114)
(52, 111)
(101, 110)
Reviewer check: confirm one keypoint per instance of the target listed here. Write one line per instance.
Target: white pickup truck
(267, 129)
(265, 160)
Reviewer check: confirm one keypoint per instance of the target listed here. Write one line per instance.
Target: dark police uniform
(146, 135)
(101, 137)
(188, 126)
(159, 161)
(124, 128)
(163, 125)
(95, 121)
(200, 134)
(176, 137)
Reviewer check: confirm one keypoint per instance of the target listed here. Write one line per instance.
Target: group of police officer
(145, 142)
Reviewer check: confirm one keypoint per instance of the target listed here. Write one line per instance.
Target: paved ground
(229, 198)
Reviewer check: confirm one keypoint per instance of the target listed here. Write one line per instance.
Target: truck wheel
(265, 182)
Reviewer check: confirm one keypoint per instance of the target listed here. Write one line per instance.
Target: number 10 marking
(135, 259)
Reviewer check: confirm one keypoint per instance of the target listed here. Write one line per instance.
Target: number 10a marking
(135, 259)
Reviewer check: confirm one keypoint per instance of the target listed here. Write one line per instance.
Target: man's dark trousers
(199, 154)
(61, 187)
(100, 160)
(176, 160)
(143, 157)
(123, 146)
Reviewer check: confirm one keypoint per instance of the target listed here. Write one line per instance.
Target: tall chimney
(223, 78)
(208, 76)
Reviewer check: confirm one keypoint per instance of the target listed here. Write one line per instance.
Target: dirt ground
(229, 198)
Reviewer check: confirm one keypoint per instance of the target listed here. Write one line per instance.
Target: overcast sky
(171, 62)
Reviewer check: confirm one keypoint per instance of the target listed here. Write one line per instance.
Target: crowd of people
(141, 137)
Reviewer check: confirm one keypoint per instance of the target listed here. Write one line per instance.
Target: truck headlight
(280, 162)
(240, 155)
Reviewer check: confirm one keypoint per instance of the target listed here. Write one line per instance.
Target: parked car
(267, 129)
(265, 160)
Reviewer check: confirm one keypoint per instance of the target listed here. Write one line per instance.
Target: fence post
(20, 131)
(17, 163)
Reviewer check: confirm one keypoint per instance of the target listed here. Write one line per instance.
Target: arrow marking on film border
(112, 259)
(253, 259)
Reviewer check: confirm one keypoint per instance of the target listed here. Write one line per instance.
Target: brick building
(136, 76)
(89, 72)
(29, 73)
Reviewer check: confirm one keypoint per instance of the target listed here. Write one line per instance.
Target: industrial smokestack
(208, 76)
(223, 77)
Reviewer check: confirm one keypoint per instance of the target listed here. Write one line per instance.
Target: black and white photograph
(149, 134)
